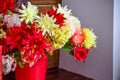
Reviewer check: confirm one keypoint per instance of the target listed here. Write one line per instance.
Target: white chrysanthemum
(67, 13)
(29, 13)
(47, 24)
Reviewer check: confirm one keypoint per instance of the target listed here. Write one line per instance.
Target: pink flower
(12, 21)
(80, 53)
(77, 38)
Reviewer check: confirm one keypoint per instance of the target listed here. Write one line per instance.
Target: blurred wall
(97, 15)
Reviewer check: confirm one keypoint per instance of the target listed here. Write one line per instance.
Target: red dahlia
(6, 5)
(57, 16)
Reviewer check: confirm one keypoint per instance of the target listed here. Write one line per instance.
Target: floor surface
(61, 74)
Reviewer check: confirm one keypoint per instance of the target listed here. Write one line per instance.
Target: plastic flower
(8, 64)
(89, 38)
(29, 13)
(63, 10)
(57, 16)
(14, 37)
(73, 23)
(12, 21)
(47, 24)
(80, 53)
(77, 38)
(34, 48)
(7, 5)
(61, 36)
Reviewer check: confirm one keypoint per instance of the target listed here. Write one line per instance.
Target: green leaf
(69, 48)
(18, 58)
(9, 12)
(21, 64)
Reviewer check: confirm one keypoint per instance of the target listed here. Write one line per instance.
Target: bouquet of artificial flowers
(26, 37)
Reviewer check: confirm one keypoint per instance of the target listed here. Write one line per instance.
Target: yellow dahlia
(89, 38)
(47, 24)
(29, 13)
(61, 36)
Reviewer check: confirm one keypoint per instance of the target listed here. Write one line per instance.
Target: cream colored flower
(29, 13)
(73, 23)
(76, 21)
(67, 13)
(47, 24)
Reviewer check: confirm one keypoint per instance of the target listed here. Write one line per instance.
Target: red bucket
(36, 72)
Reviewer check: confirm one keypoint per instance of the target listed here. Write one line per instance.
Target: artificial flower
(57, 16)
(28, 14)
(8, 64)
(7, 5)
(80, 53)
(27, 37)
(64, 10)
(47, 24)
(61, 36)
(14, 37)
(34, 48)
(77, 38)
(12, 21)
(89, 38)
(73, 23)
